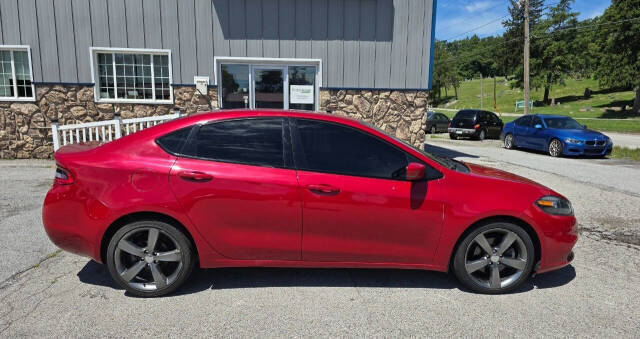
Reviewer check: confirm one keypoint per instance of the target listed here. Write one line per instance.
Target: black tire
(466, 255)
(508, 141)
(173, 251)
(555, 148)
(452, 136)
(433, 129)
(482, 134)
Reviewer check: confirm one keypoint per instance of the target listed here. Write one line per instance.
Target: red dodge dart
(295, 189)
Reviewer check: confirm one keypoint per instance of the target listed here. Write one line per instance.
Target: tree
(619, 44)
(443, 68)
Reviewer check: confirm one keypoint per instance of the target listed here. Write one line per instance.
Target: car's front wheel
(508, 141)
(150, 258)
(494, 258)
(555, 148)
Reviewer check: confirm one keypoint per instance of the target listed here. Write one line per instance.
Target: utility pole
(526, 57)
(481, 94)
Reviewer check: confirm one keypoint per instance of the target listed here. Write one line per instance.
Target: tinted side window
(524, 121)
(174, 141)
(245, 141)
(332, 148)
(536, 121)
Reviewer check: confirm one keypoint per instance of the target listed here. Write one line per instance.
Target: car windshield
(562, 123)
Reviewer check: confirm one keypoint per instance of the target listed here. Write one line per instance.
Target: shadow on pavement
(257, 277)
(445, 152)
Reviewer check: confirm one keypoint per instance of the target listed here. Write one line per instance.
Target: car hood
(493, 173)
(586, 134)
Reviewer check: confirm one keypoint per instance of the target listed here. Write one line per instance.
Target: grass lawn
(625, 153)
(598, 112)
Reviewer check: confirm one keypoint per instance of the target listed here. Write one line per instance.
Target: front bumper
(586, 150)
(558, 235)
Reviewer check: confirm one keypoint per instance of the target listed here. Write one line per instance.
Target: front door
(356, 205)
(268, 87)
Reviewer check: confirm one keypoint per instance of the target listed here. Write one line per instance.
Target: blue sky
(455, 17)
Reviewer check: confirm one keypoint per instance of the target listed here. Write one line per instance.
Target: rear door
(495, 123)
(237, 185)
(356, 206)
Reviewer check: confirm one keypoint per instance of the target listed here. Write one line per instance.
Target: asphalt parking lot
(61, 294)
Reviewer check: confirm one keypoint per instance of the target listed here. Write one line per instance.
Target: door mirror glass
(538, 126)
(415, 171)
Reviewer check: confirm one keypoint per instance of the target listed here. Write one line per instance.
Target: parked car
(231, 188)
(556, 134)
(437, 123)
(475, 124)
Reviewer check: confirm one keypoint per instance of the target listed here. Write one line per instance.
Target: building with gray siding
(85, 60)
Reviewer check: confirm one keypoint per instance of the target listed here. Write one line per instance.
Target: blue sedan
(559, 135)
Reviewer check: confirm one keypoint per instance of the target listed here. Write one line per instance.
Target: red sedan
(294, 189)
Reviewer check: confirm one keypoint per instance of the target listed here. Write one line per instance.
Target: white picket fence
(103, 130)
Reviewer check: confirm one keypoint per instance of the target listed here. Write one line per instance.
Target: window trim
(266, 62)
(26, 48)
(93, 51)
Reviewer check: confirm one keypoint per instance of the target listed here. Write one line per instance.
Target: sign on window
(301, 94)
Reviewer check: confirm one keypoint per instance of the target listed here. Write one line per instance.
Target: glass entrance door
(268, 88)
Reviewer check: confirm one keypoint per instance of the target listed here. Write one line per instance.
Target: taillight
(63, 177)
(476, 126)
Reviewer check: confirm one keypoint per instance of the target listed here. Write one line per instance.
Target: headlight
(573, 141)
(609, 142)
(554, 205)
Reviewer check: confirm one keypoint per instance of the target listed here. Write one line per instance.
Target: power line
(476, 28)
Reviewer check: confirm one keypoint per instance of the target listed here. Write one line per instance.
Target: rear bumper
(462, 131)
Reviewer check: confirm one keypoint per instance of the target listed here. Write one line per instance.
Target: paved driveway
(598, 295)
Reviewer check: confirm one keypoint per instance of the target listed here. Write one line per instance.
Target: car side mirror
(585, 126)
(538, 126)
(415, 171)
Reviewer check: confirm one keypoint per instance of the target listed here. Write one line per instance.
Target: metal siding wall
(335, 58)
(351, 43)
(66, 41)
(29, 34)
(187, 31)
(82, 34)
(367, 42)
(286, 28)
(204, 38)
(319, 21)
(270, 38)
(303, 28)
(117, 23)
(237, 28)
(254, 28)
(219, 13)
(415, 42)
(48, 42)
(399, 43)
(152, 24)
(99, 23)
(426, 47)
(10, 22)
(135, 23)
(384, 35)
(170, 37)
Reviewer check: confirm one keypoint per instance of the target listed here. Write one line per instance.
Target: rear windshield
(465, 115)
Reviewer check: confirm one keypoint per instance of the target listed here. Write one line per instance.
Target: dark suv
(475, 124)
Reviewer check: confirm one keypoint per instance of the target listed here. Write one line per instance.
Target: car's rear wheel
(555, 148)
(494, 258)
(481, 135)
(452, 136)
(150, 258)
(508, 141)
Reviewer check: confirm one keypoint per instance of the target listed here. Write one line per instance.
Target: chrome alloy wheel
(508, 141)
(148, 259)
(496, 258)
(555, 148)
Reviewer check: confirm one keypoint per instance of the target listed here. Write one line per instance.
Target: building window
(15, 74)
(126, 75)
(268, 82)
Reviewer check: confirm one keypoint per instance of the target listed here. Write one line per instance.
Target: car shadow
(259, 277)
(445, 152)
(533, 151)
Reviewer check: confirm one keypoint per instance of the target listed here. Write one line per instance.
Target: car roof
(249, 113)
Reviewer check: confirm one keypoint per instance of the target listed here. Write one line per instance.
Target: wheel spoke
(514, 262)
(482, 241)
(168, 256)
(494, 281)
(506, 242)
(152, 239)
(132, 271)
(129, 247)
(158, 277)
(475, 265)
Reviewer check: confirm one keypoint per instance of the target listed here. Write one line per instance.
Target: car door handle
(323, 188)
(195, 176)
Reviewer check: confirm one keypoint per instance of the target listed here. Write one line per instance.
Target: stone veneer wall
(25, 127)
(399, 113)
